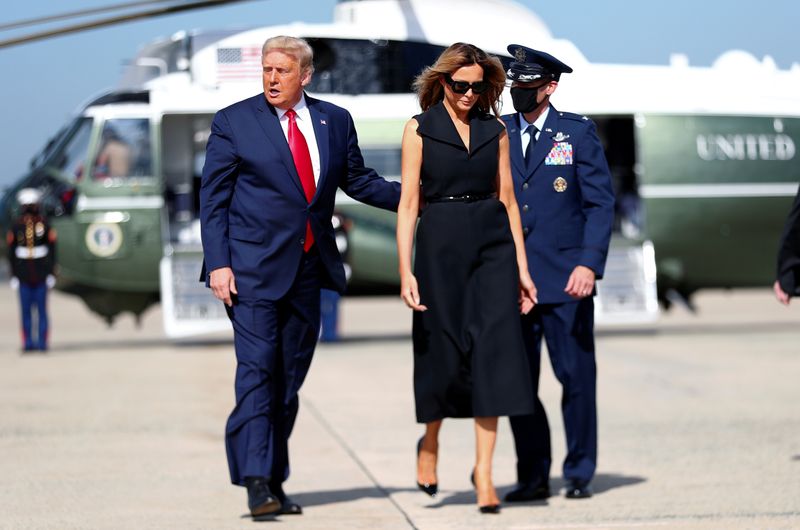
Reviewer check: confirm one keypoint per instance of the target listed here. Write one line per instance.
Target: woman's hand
(527, 294)
(410, 293)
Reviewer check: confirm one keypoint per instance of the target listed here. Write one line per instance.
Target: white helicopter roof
(226, 66)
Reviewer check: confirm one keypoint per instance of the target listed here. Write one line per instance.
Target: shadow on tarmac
(601, 483)
(722, 328)
(318, 498)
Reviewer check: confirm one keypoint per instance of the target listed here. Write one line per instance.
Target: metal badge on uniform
(560, 185)
(559, 155)
(323, 122)
(39, 229)
(560, 136)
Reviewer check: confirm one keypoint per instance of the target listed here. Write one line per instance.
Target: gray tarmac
(119, 428)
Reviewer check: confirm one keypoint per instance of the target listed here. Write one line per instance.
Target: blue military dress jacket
(566, 200)
(253, 209)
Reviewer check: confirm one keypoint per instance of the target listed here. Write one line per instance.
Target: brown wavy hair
(430, 91)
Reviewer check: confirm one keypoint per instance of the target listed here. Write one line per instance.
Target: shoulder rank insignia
(560, 185)
(560, 136)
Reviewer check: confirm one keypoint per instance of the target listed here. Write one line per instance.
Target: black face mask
(525, 99)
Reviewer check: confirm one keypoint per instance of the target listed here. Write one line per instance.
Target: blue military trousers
(274, 343)
(33, 298)
(568, 330)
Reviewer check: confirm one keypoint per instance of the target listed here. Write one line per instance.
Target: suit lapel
(319, 119)
(545, 142)
(515, 144)
(268, 120)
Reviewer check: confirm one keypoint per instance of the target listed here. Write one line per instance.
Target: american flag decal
(238, 64)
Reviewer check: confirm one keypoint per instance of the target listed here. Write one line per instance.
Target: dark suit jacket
(253, 210)
(566, 201)
(789, 252)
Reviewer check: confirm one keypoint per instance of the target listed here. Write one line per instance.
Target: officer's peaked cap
(29, 196)
(530, 65)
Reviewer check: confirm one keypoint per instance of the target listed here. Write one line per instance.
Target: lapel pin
(323, 122)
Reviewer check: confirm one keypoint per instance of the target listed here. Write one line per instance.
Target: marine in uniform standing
(31, 254)
(563, 186)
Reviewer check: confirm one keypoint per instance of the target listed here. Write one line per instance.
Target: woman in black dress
(470, 261)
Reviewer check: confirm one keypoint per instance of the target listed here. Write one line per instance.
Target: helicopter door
(627, 293)
(188, 306)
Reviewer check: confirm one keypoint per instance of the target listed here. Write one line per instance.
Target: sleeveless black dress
(469, 355)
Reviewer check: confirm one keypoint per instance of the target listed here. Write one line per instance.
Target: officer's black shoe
(578, 490)
(260, 499)
(288, 507)
(537, 490)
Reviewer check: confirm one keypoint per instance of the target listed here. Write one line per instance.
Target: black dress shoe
(430, 488)
(260, 499)
(578, 490)
(288, 506)
(529, 491)
(490, 508)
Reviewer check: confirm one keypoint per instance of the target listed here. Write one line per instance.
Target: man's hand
(780, 294)
(581, 282)
(50, 281)
(14, 283)
(223, 284)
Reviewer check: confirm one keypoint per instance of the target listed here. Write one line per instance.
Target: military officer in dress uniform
(31, 253)
(563, 187)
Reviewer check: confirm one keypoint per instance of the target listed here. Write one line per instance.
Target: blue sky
(44, 82)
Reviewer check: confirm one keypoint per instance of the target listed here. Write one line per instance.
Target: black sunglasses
(462, 87)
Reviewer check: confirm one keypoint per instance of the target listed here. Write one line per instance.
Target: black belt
(461, 198)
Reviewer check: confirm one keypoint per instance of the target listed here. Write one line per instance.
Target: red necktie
(302, 161)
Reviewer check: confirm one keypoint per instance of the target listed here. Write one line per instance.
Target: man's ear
(305, 78)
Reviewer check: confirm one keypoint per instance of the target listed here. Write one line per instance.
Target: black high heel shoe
(430, 489)
(489, 508)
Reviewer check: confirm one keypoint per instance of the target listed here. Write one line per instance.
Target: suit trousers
(568, 330)
(274, 342)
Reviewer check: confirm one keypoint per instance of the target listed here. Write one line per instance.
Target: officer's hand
(223, 284)
(581, 282)
(50, 281)
(14, 283)
(780, 294)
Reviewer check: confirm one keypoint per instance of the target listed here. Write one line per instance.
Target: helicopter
(702, 179)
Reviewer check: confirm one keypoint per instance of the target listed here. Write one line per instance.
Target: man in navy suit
(788, 269)
(273, 164)
(563, 186)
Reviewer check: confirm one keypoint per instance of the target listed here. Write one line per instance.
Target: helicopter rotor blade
(117, 19)
(78, 14)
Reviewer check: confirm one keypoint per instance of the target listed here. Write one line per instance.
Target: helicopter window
(124, 149)
(72, 157)
(352, 66)
(386, 161)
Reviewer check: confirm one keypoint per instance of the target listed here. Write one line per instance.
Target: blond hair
(428, 84)
(294, 46)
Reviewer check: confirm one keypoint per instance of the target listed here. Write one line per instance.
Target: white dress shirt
(523, 126)
(306, 127)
